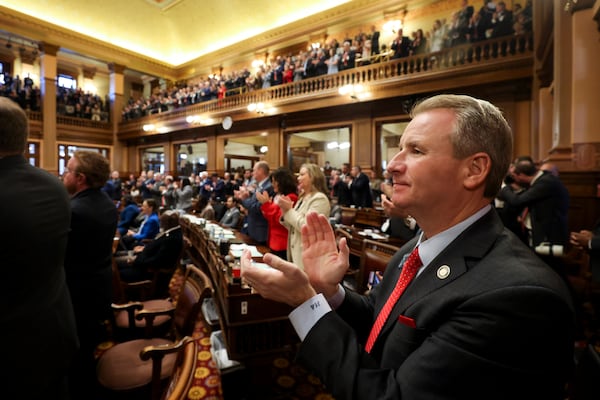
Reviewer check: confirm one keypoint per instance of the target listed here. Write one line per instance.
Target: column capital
(49, 48)
(116, 68)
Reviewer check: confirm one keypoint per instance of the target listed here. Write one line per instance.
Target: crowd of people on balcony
(492, 20)
(24, 92)
(466, 25)
(81, 104)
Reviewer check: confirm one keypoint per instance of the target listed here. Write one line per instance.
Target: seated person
(203, 209)
(148, 229)
(162, 252)
(128, 215)
(231, 218)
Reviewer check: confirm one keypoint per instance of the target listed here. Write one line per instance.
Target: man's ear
(477, 170)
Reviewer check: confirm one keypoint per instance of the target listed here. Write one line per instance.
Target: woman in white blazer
(312, 188)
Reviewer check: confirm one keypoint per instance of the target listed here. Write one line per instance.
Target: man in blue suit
(258, 228)
(481, 316)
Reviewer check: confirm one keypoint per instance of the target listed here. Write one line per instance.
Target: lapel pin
(443, 272)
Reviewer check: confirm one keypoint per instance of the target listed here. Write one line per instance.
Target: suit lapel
(456, 259)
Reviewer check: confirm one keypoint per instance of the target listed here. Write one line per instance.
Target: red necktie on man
(409, 271)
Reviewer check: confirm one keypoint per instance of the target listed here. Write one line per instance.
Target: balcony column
(560, 149)
(585, 119)
(48, 69)
(120, 160)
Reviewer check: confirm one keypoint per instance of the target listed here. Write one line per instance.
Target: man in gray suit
(480, 317)
(38, 324)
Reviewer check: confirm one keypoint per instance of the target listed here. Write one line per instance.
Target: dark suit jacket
(595, 253)
(548, 202)
(38, 326)
(161, 252)
(258, 228)
(500, 320)
(88, 261)
(361, 191)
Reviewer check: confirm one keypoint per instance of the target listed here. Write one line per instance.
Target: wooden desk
(355, 237)
(251, 324)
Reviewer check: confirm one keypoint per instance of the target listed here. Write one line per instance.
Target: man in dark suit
(258, 228)
(160, 253)
(348, 57)
(400, 46)
(547, 201)
(360, 188)
(38, 324)
(88, 261)
(480, 316)
(589, 241)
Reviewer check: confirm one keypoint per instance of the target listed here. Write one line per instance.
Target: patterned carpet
(275, 377)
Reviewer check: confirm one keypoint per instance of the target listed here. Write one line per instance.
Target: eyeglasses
(70, 171)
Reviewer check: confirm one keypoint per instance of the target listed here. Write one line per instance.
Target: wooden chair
(136, 319)
(374, 257)
(348, 216)
(144, 366)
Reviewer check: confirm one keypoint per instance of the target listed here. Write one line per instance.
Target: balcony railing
(381, 73)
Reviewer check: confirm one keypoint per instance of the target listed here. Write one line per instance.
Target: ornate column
(119, 160)
(562, 87)
(49, 153)
(585, 125)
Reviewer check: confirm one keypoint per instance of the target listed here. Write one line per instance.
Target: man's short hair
(94, 166)
(14, 128)
(480, 127)
(525, 167)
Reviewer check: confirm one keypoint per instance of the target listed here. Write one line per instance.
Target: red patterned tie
(409, 270)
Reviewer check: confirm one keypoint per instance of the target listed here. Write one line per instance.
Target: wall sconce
(264, 149)
(392, 26)
(315, 45)
(256, 64)
(148, 127)
(336, 145)
(259, 108)
(197, 119)
(356, 92)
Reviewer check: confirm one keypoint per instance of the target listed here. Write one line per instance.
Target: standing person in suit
(360, 187)
(547, 201)
(258, 228)
(590, 242)
(38, 327)
(88, 261)
(478, 309)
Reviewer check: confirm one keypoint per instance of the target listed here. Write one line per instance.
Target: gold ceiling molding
(347, 15)
(164, 5)
(36, 29)
(343, 17)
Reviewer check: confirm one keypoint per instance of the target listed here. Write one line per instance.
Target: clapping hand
(324, 264)
(284, 282)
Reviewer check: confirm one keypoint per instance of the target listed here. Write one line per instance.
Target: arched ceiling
(170, 31)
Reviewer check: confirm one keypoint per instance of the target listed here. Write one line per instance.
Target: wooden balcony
(499, 60)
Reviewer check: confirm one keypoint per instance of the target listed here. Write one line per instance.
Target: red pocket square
(407, 321)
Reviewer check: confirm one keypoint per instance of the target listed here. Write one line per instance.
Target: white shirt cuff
(306, 315)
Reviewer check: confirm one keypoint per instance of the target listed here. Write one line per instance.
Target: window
(33, 153)
(66, 151)
(67, 81)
